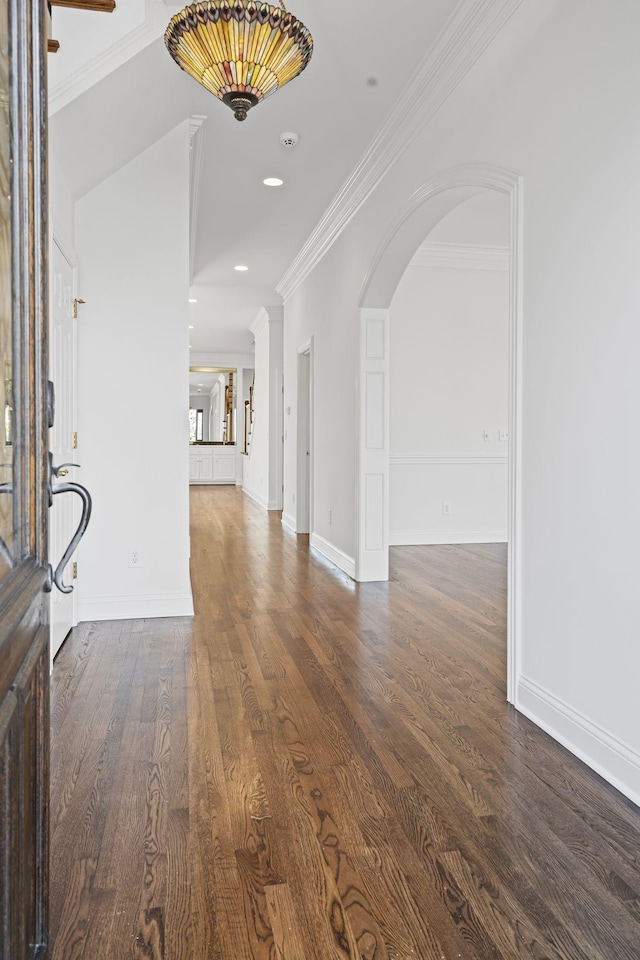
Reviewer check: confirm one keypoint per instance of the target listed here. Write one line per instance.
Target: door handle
(85, 496)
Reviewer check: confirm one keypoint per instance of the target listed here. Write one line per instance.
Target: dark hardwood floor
(314, 770)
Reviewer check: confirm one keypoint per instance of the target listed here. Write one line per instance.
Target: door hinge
(75, 571)
(75, 307)
(74, 441)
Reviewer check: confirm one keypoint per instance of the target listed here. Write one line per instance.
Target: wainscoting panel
(448, 499)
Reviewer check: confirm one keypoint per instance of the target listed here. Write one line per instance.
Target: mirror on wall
(211, 405)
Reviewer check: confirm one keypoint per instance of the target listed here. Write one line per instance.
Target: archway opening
(427, 208)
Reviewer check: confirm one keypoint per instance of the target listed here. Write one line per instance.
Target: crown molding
(153, 26)
(207, 358)
(466, 35)
(265, 317)
(196, 149)
(260, 325)
(460, 256)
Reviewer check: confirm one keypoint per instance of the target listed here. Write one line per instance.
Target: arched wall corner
(419, 215)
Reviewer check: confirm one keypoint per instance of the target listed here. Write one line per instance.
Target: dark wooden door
(24, 627)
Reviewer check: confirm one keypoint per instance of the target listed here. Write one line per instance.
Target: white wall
(330, 316)
(449, 349)
(262, 478)
(132, 238)
(61, 206)
(555, 99)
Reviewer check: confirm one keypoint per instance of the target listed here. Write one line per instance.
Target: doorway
(423, 210)
(63, 365)
(304, 514)
(448, 382)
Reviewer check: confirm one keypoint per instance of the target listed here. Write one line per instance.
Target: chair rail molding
(470, 29)
(448, 460)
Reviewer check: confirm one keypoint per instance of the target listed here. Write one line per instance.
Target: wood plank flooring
(315, 770)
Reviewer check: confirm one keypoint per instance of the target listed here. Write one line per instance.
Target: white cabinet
(200, 465)
(224, 466)
(212, 464)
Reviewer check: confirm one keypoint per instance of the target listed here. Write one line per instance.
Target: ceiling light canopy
(240, 51)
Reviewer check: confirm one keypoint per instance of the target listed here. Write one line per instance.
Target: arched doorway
(423, 210)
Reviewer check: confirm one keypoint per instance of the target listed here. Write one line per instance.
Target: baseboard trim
(613, 759)
(256, 498)
(414, 538)
(289, 522)
(135, 608)
(334, 555)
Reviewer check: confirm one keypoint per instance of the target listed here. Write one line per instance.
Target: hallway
(312, 769)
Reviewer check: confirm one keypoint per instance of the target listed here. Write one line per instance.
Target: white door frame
(65, 391)
(304, 507)
(372, 489)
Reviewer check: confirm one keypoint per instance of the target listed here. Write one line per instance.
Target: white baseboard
(135, 608)
(405, 538)
(256, 497)
(337, 557)
(289, 522)
(613, 759)
(273, 505)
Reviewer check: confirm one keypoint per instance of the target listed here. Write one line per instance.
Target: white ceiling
(332, 107)
(202, 382)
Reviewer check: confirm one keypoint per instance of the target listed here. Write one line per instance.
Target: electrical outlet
(446, 508)
(503, 435)
(135, 557)
(330, 515)
(486, 436)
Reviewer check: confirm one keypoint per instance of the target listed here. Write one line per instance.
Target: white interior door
(64, 514)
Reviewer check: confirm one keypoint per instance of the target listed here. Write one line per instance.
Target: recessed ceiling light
(273, 182)
(192, 300)
(190, 326)
(241, 268)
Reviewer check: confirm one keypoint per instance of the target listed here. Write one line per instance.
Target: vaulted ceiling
(115, 90)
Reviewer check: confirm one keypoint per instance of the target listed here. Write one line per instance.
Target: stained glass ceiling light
(240, 51)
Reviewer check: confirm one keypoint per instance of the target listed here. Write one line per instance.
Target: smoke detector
(289, 140)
